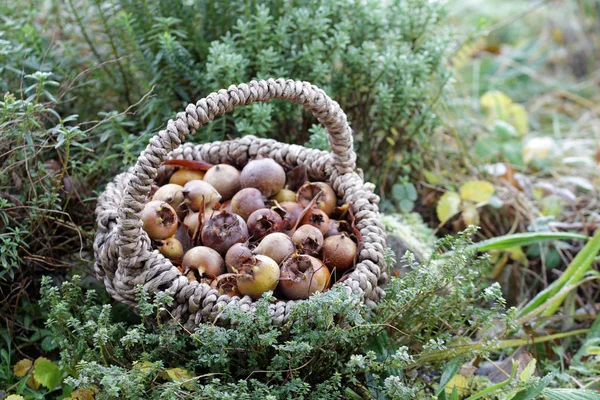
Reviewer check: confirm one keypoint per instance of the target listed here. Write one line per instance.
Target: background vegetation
(469, 113)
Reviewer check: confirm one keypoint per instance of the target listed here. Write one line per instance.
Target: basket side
(196, 303)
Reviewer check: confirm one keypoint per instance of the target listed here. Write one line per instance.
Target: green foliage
(318, 357)
(384, 63)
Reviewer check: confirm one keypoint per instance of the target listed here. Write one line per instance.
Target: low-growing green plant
(318, 353)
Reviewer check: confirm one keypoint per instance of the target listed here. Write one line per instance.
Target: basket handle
(326, 110)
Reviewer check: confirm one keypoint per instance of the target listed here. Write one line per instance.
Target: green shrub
(384, 62)
(410, 333)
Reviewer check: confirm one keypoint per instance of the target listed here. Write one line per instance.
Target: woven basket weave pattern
(124, 255)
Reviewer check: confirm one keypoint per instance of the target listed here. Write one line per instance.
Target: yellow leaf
(495, 104)
(461, 383)
(180, 374)
(518, 118)
(82, 394)
(477, 191)
(448, 206)
(22, 368)
(33, 383)
(528, 371)
(145, 366)
(593, 350)
(516, 253)
(432, 177)
(557, 35)
(469, 214)
(14, 397)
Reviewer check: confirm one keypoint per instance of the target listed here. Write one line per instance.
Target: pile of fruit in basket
(250, 231)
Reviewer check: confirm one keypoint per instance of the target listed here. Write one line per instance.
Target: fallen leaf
(432, 178)
(81, 394)
(469, 214)
(448, 206)
(495, 104)
(22, 367)
(477, 191)
(460, 382)
(518, 117)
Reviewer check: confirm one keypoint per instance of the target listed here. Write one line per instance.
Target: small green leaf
(513, 150)
(505, 131)
(448, 206)
(411, 191)
(47, 373)
(552, 258)
(48, 344)
(487, 148)
(406, 205)
(477, 191)
(451, 369)
(532, 391)
(398, 191)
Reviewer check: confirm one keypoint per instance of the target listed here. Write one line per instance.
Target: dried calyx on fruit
(316, 218)
(222, 230)
(326, 200)
(262, 222)
(237, 255)
(308, 240)
(289, 211)
(226, 284)
(303, 275)
(257, 275)
(159, 220)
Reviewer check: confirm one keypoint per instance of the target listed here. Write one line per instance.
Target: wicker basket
(124, 255)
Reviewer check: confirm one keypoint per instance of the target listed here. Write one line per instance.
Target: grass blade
(574, 273)
(523, 239)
